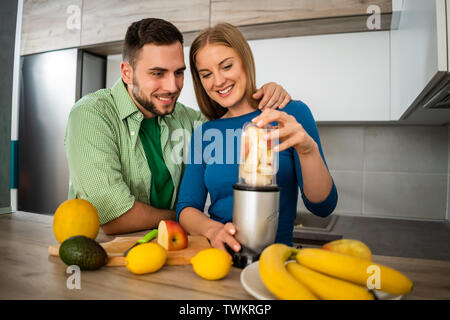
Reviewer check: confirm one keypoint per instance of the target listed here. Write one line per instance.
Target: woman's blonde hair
(230, 36)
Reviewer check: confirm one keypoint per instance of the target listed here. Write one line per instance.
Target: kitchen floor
(394, 237)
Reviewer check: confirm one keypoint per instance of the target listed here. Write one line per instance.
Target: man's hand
(272, 96)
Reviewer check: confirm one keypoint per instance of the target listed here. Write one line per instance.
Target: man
(118, 140)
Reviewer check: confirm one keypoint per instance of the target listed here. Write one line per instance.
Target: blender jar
(258, 162)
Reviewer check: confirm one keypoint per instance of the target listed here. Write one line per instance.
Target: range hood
(421, 63)
(432, 106)
(440, 98)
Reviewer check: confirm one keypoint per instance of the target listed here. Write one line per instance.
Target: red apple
(171, 235)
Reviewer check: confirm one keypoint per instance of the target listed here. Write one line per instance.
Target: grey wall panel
(93, 73)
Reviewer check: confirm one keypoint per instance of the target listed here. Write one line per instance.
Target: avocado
(83, 252)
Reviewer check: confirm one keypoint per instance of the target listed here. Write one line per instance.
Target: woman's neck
(240, 109)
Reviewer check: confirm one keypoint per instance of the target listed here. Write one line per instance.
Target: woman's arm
(191, 203)
(197, 223)
(318, 189)
(317, 182)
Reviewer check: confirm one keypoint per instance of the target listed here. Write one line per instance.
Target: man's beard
(148, 105)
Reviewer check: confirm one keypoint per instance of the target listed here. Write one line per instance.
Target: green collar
(125, 105)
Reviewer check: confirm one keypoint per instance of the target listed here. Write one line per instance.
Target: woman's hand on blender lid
(289, 132)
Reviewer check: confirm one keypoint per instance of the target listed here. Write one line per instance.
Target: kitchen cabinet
(100, 25)
(50, 25)
(420, 62)
(259, 19)
(341, 77)
(106, 21)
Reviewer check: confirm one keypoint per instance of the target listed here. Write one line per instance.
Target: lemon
(146, 258)
(212, 263)
(75, 217)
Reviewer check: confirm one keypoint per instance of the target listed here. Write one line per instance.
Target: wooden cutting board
(115, 249)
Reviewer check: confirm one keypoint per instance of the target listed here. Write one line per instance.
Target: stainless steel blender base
(255, 215)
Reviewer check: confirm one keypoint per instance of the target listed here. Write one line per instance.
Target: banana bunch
(324, 274)
(275, 276)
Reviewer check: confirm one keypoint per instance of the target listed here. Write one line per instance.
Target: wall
(391, 171)
(8, 15)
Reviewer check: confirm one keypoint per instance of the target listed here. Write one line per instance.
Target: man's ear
(127, 72)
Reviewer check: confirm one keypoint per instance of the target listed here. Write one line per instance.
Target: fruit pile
(210, 264)
(76, 226)
(340, 270)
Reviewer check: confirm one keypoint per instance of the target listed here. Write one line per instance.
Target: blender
(256, 195)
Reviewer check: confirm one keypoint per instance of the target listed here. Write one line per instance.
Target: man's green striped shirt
(107, 162)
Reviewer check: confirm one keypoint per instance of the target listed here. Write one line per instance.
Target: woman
(223, 71)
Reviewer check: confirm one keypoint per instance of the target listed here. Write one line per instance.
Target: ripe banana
(275, 276)
(328, 288)
(354, 269)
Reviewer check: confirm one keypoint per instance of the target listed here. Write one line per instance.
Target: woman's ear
(127, 72)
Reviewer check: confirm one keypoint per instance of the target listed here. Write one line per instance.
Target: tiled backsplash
(389, 171)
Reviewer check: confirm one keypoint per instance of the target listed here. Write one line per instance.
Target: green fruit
(83, 252)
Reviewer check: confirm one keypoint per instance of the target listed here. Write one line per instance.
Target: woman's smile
(226, 92)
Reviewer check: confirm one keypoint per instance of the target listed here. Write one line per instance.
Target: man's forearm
(140, 217)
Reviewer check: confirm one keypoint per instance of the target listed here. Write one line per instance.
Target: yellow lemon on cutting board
(75, 217)
(146, 258)
(212, 263)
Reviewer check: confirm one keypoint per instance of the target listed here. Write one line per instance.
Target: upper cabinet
(107, 20)
(420, 78)
(50, 25)
(100, 25)
(260, 19)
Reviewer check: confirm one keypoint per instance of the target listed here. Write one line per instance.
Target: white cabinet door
(418, 52)
(341, 77)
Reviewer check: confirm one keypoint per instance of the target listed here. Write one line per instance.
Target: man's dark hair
(150, 30)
